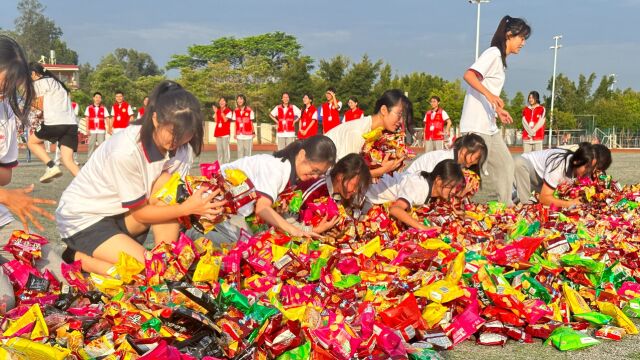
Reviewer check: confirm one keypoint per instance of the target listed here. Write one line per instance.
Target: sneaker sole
(51, 178)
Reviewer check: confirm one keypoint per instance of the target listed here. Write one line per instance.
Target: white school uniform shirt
(252, 116)
(56, 103)
(348, 136)
(296, 113)
(96, 108)
(8, 149)
(428, 161)
(553, 177)
(119, 176)
(413, 189)
(478, 116)
(269, 175)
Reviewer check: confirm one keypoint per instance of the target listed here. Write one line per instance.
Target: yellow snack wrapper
(440, 291)
(33, 315)
(127, 267)
(27, 349)
(389, 253)
(623, 321)
(109, 286)
(433, 313)
(454, 274)
(370, 248)
(373, 135)
(326, 251)
(169, 191)
(235, 177)
(208, 268)
(435, 244)
(576, 302)
(277, 252)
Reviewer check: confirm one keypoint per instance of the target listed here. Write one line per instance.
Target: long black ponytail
(318, 148)
(44, 73)
(509, 27)
(17, 86)
(584, 155)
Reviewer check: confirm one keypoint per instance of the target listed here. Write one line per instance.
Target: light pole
(478, 2)
(613, 83)
(553, 84)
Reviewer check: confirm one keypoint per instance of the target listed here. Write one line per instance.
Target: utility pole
(553, 84)
(478, 2)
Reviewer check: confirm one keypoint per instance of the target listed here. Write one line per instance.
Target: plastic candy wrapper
(28, 349)
(379, 143)
(405, 317)
(594, 318)
(465, 324)
(25, 247)
(611, 333)
(620, 318)
(565, 339)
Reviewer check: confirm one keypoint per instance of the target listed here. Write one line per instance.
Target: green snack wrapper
(533, 228)
(261, 313)
(296, 202)
(153, 323)
(302, 352)
(565, 339)
(632, 308)
(494, 207)
(519, 230)
(589, 264)
(316, 269)
(594, 317)
(534, 288)
(347, 281)
(233, 297)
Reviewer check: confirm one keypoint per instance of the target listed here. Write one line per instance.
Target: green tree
(136, 64)
(332, 70)
(276, 47)
(108, 79)
(39, 34)
(359, 81)
(295, 78)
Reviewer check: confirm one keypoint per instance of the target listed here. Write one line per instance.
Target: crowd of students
(108, 207)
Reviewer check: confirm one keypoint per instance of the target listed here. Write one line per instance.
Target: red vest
(353, 114)
(244, 125)
(95, 120)
(433, 127)
(120, 115)
(307, 119)
(223, 124)
(532, 116)
(330, 118)
(286, 119)
(141, 111)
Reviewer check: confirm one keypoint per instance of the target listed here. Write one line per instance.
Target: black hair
(351, 166)
(309, 96)
(584, 155)
(449, 171)
(119, 92)
(318, 148)
(244, 99)
(44, 73)
(332, 89)
(603, 157)
(354, 99)
(390, 98)
(97, 93)
(18, 85)
(283, 93)
(509, 27)
(536, 96)
(437, 98)
(473, 143)
(407, 115)
(173, 105)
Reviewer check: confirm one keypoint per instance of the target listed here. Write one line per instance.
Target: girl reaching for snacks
(406, 190)
(107, 208)
(544, 170)
(272, 175)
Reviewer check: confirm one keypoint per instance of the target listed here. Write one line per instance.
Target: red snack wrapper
(610, 332)
(518, 251)
(406, 318)
(73, 274)
(25, 247)
(465, 324)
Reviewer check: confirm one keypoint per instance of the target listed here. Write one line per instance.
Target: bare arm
(399, 211)
(196, 204)
(546, 198)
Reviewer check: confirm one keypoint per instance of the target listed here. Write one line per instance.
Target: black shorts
(66, 135)
(87, 241)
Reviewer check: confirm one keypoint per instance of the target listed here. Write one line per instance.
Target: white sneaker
(50, 174)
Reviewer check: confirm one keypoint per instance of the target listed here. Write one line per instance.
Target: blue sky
(434, 36)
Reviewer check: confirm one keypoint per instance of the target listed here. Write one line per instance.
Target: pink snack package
(389, 341)
(465, 324)
(18, 273)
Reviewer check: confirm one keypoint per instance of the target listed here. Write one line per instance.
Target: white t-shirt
(118, 176)
(412, 188)
(269, 175)
(296, 113)
(428, 161)
(478, 115)
(56, 104)
(96, 120)
(8, 149)
(348, 136)
(555, 172)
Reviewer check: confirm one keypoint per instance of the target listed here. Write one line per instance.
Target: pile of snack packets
(380, 143)
(374, 291)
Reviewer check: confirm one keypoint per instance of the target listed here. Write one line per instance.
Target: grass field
(625, 168)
